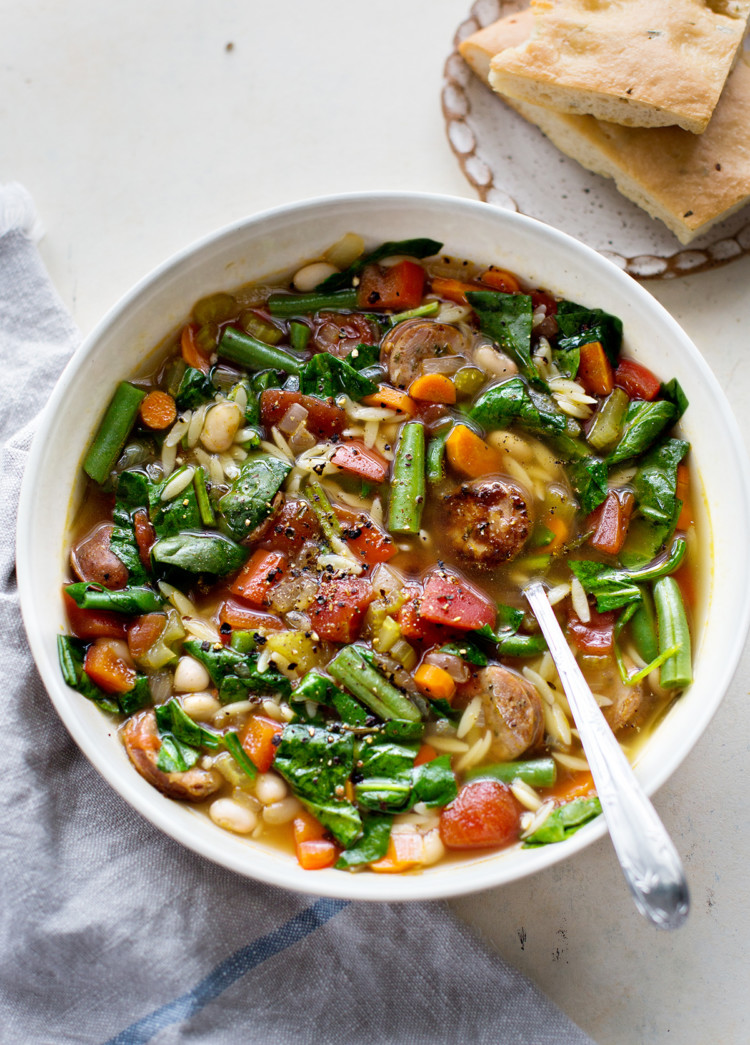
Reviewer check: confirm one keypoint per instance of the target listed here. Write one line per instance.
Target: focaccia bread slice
(690, 182)
(640, 63)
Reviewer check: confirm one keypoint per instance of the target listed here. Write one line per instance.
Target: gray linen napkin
(112, 932)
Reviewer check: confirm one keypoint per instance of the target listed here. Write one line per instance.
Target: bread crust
(642, 63)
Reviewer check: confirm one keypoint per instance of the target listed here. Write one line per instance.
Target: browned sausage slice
(142, 743)
(486, 521)
(410, 343)
(340, 332)
(512, 710)
(94, 561)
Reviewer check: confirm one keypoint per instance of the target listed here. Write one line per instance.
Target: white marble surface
(138, 129)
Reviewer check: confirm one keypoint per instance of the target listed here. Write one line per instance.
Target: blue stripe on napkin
(229, 971)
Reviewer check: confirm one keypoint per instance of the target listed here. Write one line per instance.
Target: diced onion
(295, 416)
(443, 364)
(455, 667)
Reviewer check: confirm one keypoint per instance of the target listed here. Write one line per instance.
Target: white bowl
(278, 240)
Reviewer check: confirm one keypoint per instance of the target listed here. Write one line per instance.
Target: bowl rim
(482, 873)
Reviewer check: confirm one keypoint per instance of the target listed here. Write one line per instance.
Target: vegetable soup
(297, 579)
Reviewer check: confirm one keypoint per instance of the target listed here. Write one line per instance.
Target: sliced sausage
(141, 739)
(629, 705)
(486, 521)
(94, 561)
(410, 343)
(340, 332)
(512, 710)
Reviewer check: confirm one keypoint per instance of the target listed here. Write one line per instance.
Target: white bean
(270, 788)
(433, 849)
(232, 816)
(190, 676)
(200, 706)
(220, 427)
(281, 812)
(494, 362)
(308, 277)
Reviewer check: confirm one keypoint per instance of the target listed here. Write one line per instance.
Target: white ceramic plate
(279, 240)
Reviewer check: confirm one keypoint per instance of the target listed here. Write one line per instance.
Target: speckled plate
(512, 165)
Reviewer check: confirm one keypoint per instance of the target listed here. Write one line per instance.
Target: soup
(297, 578)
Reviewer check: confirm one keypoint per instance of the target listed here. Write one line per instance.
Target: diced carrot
(484, 814)
(433, 388)
(144, 632)
(107, 669)
(575, 786)
(324, 419)
(435, 682)
(559, 529)
(595, 371)
(637, 380)
(292, 525)
(94, 624)
(610, 522)
(405, 851)
(499, 279)
(685, 517)
(145, 536)
(339, 608)
(257, 739)
(451, 601)
(360, 460)
(595, 636)
(426, 753)
(259, 576)
(371, 544)
(307, 828)
(388, 398)
(452, 289)
(158, 410)
(190, 351)
(243, 618)
(317, 854)
(469, 454)
(398, 286)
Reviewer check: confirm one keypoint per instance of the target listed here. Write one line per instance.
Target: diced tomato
(541, 297)
(314, 849)
(257, 741)
(637, 380)
(484, 814)
(95, 624)
(339, 608)
(595, 636)
(324, 419)
(144, 632)
(360, 460)
(258, 577)
(595, 370)
(499, 279)
(371, 544)
(107, 668)
(294, 524)
(610, 521)
(242, 617)
(451, 601)
(145, 536)
(190, 351)
(399, 286)
(414, 627)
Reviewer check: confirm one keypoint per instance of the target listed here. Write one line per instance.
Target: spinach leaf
(468, 651)
(171, 718)
(673, 391)
(319, 689)
(136, 698)
(376, 833)
(644, 423)
(384, 774)
(434, 782)
(171, 517)
(234, 674)
(250, 499)
(513, 401)
(210, 553)
(195, 388)
(579, 325)
(131, 494)
(507, 319)
(567, 361)
(588, 477)
(174, 756)
(412, 248)
(326, 376)
(71, 653)
(613, 588)
(364, 356)
(342, 819)
(564, 822)
(123, 600)
(655, 483)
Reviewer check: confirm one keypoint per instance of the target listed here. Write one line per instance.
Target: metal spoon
(647, 856)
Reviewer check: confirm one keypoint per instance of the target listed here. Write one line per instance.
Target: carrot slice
(435, 682)
(317, 854)
(190, 351)
(452, 289)
(360, 460)
(595, 371)
(499, 279)
(259, 575)
(257, 741)
(433, 388)
(158, 410)
(105, 667)
(426, 753)
(560, 530)
(387, 398)
(576, 786)
(236, 615)
(468, 453)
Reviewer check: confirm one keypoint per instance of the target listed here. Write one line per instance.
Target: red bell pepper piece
(637, 380)
(451, 601)
(324, 419)
(610, 522)
(339, 608)
(399, 286)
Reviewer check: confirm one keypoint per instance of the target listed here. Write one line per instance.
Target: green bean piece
(299, 335)
(643, 628)
(287, 305)
(207, 514)
(351, 669)
(435, 464)
(676, 672)
(536, 772)
(408, 484)
(430, 308)
(522, 645)
(113, 432)
(329, 522)
(238, 753)
(253, 354)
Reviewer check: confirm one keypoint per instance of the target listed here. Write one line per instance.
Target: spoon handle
(649, 860)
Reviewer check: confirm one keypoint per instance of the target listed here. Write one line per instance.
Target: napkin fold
(112, 932)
